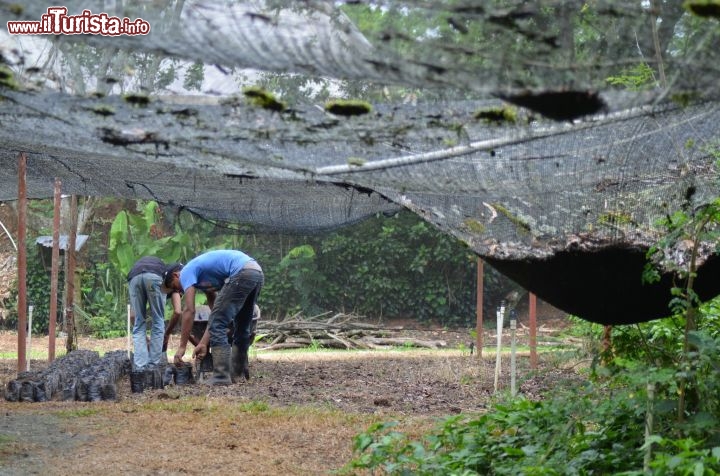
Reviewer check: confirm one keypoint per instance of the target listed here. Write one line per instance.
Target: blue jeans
(144, 290)
(233, 309)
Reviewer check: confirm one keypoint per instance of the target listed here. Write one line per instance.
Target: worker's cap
(167, 277)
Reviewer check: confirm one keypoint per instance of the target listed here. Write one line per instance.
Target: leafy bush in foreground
(569, 434)
(596, 430)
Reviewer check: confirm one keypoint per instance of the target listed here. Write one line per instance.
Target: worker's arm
(176, 316)
(201, 347)
(188, 315)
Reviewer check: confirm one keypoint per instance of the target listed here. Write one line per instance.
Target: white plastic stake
(28, 339)
(500, 318)
(129, 336)
(513, 368)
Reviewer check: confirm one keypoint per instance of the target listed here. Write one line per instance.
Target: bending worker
(232, 281)
(146, 291)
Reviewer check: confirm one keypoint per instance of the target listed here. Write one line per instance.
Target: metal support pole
(54, 272)
(513, 367)
(479, 308)
(129, 333)
(29, 337)
(533, 330)
(22, 261)
(498, 363)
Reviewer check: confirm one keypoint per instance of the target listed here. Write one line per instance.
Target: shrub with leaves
(581, 432)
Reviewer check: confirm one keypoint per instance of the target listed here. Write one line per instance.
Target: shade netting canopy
(549, 136)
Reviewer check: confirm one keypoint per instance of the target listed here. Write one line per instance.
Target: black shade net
(549, 136)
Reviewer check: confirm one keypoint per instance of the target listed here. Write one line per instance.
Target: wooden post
(532, 311)
(71, 342)
(479, 307)
(22, 262)
(54, 272)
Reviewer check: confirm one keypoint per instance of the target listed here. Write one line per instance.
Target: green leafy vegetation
(38, 284)
(636, 78)
(397, 266)
(649, 405)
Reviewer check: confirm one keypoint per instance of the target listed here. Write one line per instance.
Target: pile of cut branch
(341, 331)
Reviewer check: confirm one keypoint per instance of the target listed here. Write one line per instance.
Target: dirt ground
(297, 415)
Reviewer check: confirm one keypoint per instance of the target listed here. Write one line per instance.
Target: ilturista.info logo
(57, 22)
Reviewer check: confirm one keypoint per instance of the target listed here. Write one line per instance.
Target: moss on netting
(703, 8)
(521, 224)
(497, 115)
(356, 161)
(16, 9)
(103, 110)
(348, 107)
(264, 99)
(137, 99)
(684, 98)
(615, 218)
(185, 113)
(7, 78)
(474, 225)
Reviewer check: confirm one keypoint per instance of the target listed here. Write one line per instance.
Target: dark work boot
(240, 367)
(221, 365)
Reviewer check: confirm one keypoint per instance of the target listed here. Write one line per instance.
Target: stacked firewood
(339, 331)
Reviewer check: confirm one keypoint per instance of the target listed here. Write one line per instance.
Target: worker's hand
(178, 359)
(166, 339)
(200, 351)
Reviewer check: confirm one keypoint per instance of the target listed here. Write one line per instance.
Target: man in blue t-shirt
(232, 281)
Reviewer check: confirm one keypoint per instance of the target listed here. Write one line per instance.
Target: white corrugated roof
(47, 241)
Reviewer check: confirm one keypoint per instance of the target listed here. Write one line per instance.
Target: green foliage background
(384, 267)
